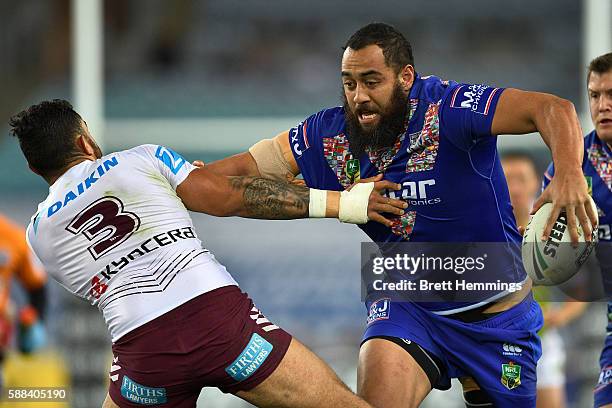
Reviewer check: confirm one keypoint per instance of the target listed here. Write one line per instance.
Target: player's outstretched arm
(241, 164)
(269, 158)
(520, 112)
(255, 197)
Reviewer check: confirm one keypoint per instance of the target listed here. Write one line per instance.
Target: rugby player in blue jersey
(597, 168)
(438, 139)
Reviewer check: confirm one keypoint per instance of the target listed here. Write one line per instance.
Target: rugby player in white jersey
(115, 230)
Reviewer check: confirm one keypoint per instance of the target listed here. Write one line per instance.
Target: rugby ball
(554, 261)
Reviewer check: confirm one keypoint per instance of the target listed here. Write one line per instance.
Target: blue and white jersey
(446, 161)
(597, 168)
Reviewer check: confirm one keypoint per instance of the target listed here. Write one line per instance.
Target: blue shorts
(499, 353)
(603, 389)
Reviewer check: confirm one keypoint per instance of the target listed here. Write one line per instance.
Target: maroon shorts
(218, 339)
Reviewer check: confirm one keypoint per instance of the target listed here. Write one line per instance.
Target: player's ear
(406, 77)
(34, 170)
(84, 145)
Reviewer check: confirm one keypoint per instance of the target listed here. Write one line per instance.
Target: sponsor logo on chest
(416, 192)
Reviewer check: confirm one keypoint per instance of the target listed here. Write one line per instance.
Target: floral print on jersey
(601, 162)
(336, 152)
(404, 224)
(423, 148)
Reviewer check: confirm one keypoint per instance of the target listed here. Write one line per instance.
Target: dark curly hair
(396, 49)
(47, 133)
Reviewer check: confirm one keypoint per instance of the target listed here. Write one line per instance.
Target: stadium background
(209, 78)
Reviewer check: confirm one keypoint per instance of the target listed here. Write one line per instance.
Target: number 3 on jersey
(105, 222)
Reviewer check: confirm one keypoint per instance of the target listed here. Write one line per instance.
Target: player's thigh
(108, 403)
(302, 380)
(389, 377)
(550, 397)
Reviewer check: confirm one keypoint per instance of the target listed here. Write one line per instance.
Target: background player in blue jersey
(597, 168)
(437, 139)
(524, 186)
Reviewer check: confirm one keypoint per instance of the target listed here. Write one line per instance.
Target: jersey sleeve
(29, 270)
(169, 163)
(467, 113)
(306, 141)
(548, 175)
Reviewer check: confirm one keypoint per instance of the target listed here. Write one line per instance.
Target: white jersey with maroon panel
(114, 232)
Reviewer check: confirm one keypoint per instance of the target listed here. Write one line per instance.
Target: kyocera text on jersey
(84, 185)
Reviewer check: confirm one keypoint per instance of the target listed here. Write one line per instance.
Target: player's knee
(476, 398)
(300, 361)
(109, 403)
(473, 396)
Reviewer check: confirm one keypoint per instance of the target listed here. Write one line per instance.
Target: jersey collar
(68, 174)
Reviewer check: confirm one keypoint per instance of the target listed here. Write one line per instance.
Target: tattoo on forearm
(272, 199)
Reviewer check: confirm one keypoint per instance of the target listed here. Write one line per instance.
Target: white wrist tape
(354, 204)
(318, 203)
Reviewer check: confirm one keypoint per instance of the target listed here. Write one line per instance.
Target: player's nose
(605, 103)
(361, 95)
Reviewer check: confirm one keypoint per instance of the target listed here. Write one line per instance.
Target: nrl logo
(511, 375)
(353, 170)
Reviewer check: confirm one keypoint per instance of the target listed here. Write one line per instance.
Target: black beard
(383, 135)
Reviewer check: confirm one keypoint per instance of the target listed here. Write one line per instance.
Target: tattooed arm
(256, 197)
(251, 197)
(272, 199)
